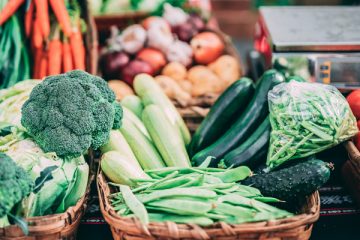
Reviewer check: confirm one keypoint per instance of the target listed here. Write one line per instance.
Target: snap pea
(199, 220)
(181, 207)
(234, 175)
(237, 211)
(134, 204)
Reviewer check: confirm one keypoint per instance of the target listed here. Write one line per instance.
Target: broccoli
(69, 113)
(15, 184)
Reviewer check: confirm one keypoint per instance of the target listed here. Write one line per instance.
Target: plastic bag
(306, 118)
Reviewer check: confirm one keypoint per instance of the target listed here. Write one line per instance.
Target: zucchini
(145, 152)
(151, 93)
(225, 110)
(119, 170)
(134, 104)
(118, 143)
(250, 119)
(136, 121)
(165, 137)
(253, 150)
(292, 182)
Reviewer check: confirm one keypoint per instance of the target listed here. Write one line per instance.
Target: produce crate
(55, 226)
(297, 227)
(351, 170)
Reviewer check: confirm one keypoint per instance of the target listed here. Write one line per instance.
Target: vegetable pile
(54, 29)
(354, 101)
(188, 55)
(46, 129)
(307, 118)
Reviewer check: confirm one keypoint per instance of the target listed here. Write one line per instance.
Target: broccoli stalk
(15, 184)
(69, 113)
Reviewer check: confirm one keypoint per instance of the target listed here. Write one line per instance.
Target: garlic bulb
(174, 16)
(180, 52)
(133, 38)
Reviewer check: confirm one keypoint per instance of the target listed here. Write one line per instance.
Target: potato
(120, 88)
(226, 68)
(173, 90)
(185, 85)
(204, 81)
(175, 70)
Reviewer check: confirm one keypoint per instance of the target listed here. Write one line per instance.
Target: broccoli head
(15, 184)
(69, 113)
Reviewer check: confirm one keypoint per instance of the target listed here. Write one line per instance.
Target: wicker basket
(297, 227)
(351, 171)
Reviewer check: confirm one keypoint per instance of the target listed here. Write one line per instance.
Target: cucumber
(134, 104)
(225, 110)
(292, 182)
(254, 114)
(253, 150)
(151, 93)
(165, 137)
(145, 152)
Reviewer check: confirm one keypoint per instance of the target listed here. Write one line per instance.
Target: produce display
(46, 130)
(53, 28)
(187, 57)
(353, 100)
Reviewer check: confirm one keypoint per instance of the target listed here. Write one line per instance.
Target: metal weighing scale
(322, 44)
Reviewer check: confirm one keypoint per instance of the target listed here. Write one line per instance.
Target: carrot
(37, 58)
(77, 49)
(54, 57)
(58, 7)
(37, 38)
(66, 57)
(9, 10)
(42, 13)
(29, 19)
(43, 65)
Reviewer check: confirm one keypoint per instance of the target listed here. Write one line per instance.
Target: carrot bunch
(53, 27)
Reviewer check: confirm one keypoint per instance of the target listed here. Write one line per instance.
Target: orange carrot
(9, 10)
(58, 7)
(77, 49)
(29, 19)
(37, 38)
(55, 54)
(37, 59)
(66, 57)
(43, 65)
(42, 13)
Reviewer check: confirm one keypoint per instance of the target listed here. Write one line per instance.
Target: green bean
(141, 188)
(237, 211)
(210, 179)
(267, 199)
(172, 183)
(181, 206)
(199, 220)
(134, 204)
(177, 192)
(234, 175)
(196, 181)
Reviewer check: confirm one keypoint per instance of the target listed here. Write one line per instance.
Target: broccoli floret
(69, 113)
(15, 184)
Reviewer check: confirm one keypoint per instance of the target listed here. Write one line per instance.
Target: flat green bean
(134, 204)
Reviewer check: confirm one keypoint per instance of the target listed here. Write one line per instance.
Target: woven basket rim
(133, 226)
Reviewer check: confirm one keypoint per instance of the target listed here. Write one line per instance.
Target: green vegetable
(134, 205)
(165, 137)
(151, 93)
(134, 104)
(71, 112)
(136, 121)
(118, 143)
(223, 113)
(15, 184)
(246, 124)
(253, 150)
(159, 217)
(292, 182)
(119, 169)
(144, 150)
(306, 118)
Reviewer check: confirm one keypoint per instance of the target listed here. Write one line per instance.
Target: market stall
(181, 141)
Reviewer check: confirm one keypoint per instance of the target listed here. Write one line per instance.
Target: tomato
(354, 102)
(207, 47)
(154, 57)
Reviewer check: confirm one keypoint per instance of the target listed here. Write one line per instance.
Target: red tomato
(207, 47)
(354, 102)
(154, 57)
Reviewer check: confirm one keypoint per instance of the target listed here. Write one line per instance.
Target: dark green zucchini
(292, 182)
(253, 150)
(225, 110)
(250, 119)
